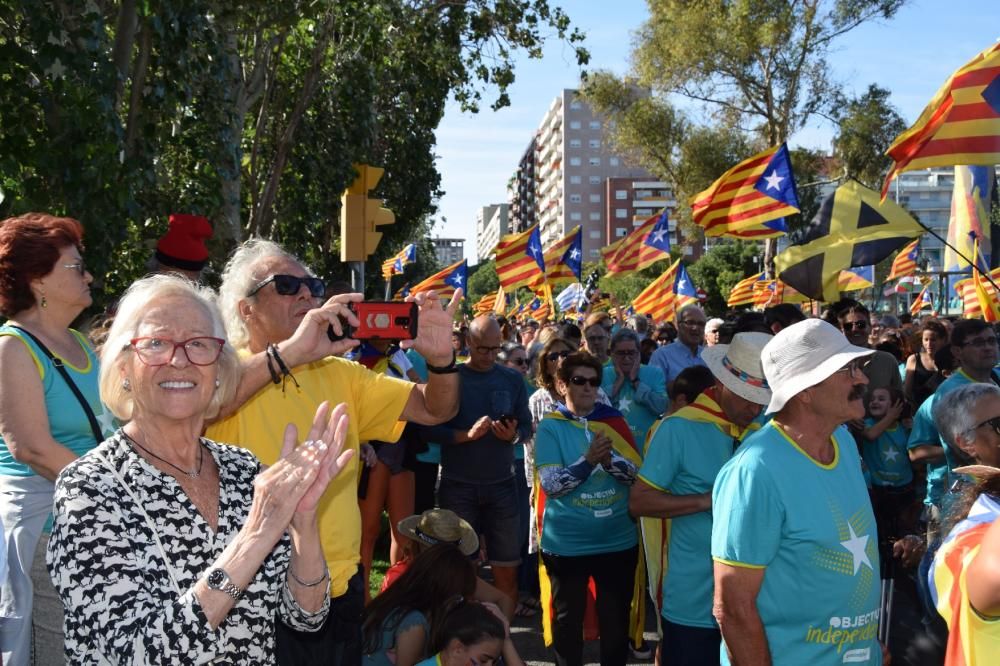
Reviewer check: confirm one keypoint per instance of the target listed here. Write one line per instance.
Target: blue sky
(911, 55)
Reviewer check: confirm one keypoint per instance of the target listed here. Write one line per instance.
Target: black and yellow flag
(852, 228)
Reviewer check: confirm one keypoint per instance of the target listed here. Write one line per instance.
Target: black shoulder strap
(57, 362)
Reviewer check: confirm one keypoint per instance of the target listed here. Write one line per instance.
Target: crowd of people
(200, 476)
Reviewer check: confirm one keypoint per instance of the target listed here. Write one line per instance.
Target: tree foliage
(719, 269)
(249, 112)
(867, 126)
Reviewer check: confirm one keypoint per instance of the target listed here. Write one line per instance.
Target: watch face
(216, 577)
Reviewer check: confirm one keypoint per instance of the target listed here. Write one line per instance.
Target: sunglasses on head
(289, 285)
(577, 380)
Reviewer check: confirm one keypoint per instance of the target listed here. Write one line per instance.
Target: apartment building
(492, 223)
(448, 250)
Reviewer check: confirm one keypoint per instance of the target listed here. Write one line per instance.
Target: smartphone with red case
(380, 320)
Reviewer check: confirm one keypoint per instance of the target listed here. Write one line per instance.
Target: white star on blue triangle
(683, 285)
(777, 180)
(573, 257)
(535, 249)
(659, 235)
(459, 276)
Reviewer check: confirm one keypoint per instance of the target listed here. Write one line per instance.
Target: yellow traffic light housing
(360, 216)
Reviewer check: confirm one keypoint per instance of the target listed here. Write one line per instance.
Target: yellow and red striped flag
(642, 248)
(395, 264)
(905, 263)
(742, 293)
(752, 195)
(960, 125)
(564, 259)
(985, 293)
(666, 294)
(445, 281)
(856, 278)
(775, 292)
(520, 260)
(923, 300)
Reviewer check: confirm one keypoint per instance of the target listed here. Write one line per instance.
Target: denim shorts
(491, 509)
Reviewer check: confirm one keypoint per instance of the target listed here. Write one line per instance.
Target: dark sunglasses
(993, 423)
(518, 361)
(577, 380)
(556, 355)
(859, 325)
(289, 285)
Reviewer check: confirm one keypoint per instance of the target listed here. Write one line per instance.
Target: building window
(595, 180)
(612, 161)
(594, 143)
(594, 233)
(595, 124)
(644, 212)
(621, 232)
(595, 161)
(574, 180)
(621, 213)
(574, 198)
(595, 253)
(574, 124)
(595, 217)
(621, 195)
(595, 198)
(574, 161)
(576, 105)
(575, 216)
(643, 194)
(574, 143)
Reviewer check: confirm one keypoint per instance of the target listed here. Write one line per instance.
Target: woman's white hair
(238, 278)
(137, 301)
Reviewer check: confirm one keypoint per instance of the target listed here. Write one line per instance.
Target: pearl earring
(127, 385)
(44, 302)
(217, 383)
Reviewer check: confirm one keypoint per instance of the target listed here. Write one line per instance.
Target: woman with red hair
(50, 408)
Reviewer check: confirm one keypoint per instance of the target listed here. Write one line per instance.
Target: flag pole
(954, 249)
(388, 288)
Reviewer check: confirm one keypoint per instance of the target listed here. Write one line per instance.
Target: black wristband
(443, 369)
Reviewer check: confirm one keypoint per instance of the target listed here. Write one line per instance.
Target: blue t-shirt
(390, 634)
(939, 477)
(592, 518)
(674, 358)
(634, 403)
(684, 458)
(68, 423)
(811, 527)
(886, 458)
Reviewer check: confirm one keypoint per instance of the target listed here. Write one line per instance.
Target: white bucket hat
(738, 366)
(803, 355)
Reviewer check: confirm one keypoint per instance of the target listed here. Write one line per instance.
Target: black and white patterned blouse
(122, 605)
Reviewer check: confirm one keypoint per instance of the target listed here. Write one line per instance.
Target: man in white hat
(794, 539)
(686, 452)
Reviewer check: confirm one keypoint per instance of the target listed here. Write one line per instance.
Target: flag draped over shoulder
(742, 293)
(751, 199)
(394, 265)
(970, 215)
(960, 125)
(564, 259)
(520, 260)
(642, 248)
(608, 421)
(666, 294)
(852, 228)
(905, 263)
(445, 281)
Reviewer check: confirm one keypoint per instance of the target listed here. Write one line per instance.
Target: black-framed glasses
(981, 343)
(482, 349)
(202, 350)
(289, 285)
(79, 267)
(555, 355)
(858, 325)
(993, 423)
(626, 353)
(577, 380)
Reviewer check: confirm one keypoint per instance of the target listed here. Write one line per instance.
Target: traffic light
(360, 216)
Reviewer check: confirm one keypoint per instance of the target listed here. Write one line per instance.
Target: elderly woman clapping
(171, 548)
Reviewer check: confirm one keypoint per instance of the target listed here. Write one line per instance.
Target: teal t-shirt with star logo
(810, 527)
(886, 458)
(634, 402)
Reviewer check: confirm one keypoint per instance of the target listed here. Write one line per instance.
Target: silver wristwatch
(218, 579)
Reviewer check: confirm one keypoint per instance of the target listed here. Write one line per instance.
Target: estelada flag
(853, 279)
(748, 196)
(923, 300)
(395, 264)
(520, 260)
(608, 421)
(852, 228)
(960, 125)
(564, 259)
(647, 244)
(445, 281)
(987, 297)
(742, 293)
(905, 262)
(658, 300)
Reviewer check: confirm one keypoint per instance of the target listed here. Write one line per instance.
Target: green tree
(483, 280)
(719, 269)
(867, 126)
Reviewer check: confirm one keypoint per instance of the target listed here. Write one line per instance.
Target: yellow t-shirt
(374, 404)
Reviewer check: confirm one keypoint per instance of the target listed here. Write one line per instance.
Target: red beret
(183, 246)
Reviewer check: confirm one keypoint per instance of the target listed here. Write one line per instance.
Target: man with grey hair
(794, 537)
(712, 331)
(277, 320)
(685, 351)
(637, 391)
(960, 413)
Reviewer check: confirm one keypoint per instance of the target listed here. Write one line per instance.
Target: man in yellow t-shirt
(276, 318)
